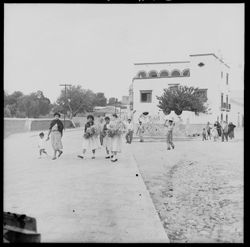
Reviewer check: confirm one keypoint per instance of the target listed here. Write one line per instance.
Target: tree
(34, 105)
(182, 98)
(29, 105)
(112, 101)
(7, 111)
(43, 103)
(19, 105)
(57, 108)
(12, 101)
(100, 100)
(77, 100)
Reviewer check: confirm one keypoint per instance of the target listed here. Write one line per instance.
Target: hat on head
(90, 116)
(57, 114)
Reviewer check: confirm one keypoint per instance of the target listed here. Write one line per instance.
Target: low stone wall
(194, 129)
(19, 125)
(12, 126)
(43, 124)
(79, 121)
(180, 130)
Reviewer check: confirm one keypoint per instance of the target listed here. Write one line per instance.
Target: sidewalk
(77, 200)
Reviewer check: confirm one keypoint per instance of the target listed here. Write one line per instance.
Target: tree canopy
(19, 105)
(182, 98)
(100, 100)
(112, 101)
(79, 100)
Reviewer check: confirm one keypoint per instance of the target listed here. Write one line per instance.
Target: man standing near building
(170, 126)
(231, 127)
(130, 131)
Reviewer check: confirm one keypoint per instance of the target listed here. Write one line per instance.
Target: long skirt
(91, 143)
(215, 134)
(116, 143)
(56, 140)
(107, 142)
(170, 137)
(231, 134)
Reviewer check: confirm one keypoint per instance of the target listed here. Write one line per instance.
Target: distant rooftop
(208, 54)
(193, 55)
(162, 62)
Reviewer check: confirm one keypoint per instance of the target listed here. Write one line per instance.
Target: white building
(125, 100)
(205, 71)
(237, 107)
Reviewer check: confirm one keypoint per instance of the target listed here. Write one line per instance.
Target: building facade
(205, 71)
(237, 107)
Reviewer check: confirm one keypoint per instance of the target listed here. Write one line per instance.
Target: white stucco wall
(157, 86)
(237, 113)
(209, 76)
(206, 77)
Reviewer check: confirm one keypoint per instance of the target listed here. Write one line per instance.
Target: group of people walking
(130, 131)
(221, 130)
(109, 135)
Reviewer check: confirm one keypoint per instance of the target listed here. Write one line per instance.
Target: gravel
(197, 188)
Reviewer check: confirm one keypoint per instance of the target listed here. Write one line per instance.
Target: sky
(96, 45)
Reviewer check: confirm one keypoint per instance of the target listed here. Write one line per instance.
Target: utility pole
(65, 86)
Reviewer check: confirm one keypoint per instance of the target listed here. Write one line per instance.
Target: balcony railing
(225, 107)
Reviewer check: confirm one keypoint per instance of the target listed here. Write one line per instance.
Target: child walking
(170, 126)
(204, 134)
(90, 138)
(41, 145)
(140, 131)
(130, 131)
(107, 138)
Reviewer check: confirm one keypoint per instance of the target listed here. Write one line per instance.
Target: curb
(133, 160)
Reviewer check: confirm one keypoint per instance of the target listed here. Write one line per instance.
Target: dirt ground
(197, 188)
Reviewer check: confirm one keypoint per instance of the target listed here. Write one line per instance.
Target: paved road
(77, 200)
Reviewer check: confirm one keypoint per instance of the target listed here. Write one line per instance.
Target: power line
(65, 87)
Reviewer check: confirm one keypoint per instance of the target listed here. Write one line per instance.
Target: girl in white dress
(115, 129)
(140, 131)
(214, 133)
(106, 138)
(90, 138)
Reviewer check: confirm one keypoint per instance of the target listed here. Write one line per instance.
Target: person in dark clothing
(231, 127)
(204, 134)
(218, 126)
(56, 130)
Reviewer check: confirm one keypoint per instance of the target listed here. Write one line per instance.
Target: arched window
(186, 72)
(142, 74)
(175, 73)
(164, 73)
(152, 73)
